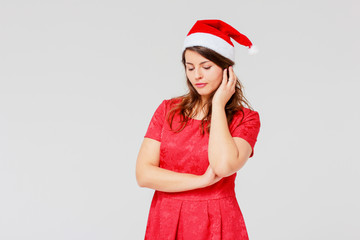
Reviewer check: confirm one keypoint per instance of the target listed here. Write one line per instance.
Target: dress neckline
(198, 120)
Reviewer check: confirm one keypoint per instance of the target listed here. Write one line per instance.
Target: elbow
(144, 175)
(224, 165)
(141, 179)
(222, 171)
(141, 182)
(227, 166)
(222, 174)
(227, 169)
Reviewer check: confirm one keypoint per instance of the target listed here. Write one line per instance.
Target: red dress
(205, 213)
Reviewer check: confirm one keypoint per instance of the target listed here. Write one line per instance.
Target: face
(202, 70)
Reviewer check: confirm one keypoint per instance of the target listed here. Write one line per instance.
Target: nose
(198, 74)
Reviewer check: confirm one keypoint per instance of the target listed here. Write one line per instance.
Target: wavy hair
(187, 107)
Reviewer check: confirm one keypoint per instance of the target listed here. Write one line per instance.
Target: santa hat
(215, 34)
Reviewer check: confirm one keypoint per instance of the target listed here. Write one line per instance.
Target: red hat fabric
(215, 34)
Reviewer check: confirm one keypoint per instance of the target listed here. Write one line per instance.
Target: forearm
(168, 181)
(222, 150)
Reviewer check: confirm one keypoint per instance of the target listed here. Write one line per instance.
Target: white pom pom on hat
(215, 34)
(253, 50)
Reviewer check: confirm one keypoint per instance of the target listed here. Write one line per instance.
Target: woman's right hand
(209, 177)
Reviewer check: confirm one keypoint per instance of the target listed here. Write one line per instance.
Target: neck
(203, 100)
(201, 108)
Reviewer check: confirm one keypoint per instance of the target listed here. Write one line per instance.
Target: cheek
(191, 79)
(218, 76)
(188, 75)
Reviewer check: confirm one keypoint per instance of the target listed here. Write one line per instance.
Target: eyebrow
(200, 63)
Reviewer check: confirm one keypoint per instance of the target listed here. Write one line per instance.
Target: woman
(195, 143)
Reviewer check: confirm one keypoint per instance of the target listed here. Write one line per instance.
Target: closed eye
(190, 69)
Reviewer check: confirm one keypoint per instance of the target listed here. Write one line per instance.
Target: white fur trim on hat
(211, 41)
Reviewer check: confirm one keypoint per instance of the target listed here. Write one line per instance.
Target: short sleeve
(156, 123)
(248, 129)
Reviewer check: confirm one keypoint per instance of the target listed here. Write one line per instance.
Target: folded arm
(150, 175)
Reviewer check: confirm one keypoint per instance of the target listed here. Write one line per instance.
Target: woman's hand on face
(226, 88)
(209, 177)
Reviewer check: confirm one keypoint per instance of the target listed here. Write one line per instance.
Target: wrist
(201, 181)
(207, 178)
(217, 105)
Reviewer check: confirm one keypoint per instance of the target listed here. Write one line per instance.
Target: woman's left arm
(226, 154)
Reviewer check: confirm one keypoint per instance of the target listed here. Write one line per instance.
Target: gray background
(80, 80)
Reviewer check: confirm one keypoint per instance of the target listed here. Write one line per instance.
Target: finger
(233, 76)
(229, 82)
(224, 80)
(231, 73)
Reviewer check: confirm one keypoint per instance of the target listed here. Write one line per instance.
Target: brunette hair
(186, 107)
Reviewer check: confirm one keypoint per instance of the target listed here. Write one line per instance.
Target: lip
(200, 84)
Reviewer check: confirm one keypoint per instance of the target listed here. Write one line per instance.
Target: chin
(203, 93)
